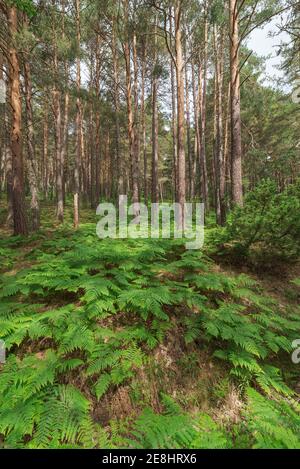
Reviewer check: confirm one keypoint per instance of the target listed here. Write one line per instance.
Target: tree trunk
(79, 134)
(136, 137)
(18, 196)
(97, 157)
(203, 161)
(226, 145)
(143, 121)
(64, 143)
(174, 119)
(197, 98)
(155, 186)
(219, 142)
(236, 132)
(180, 109)
(119, 161)
(188, 128)
(131, 140)
(45, 166)
(31, 158)
(56, 94)
(8, 162)
(65, 123)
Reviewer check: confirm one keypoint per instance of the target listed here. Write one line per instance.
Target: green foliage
(273, 424)
(267, 228)
(263, 424)
(25, 5)
(81, 320)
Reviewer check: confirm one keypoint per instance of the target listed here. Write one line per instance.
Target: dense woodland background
(141, 343)
(142, 98)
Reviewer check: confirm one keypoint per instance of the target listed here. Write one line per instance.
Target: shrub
(267, 228)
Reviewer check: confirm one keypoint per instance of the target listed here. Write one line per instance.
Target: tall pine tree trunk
(31, 157)
(236, 131)
(180, 109)
(131, 139)
(188, 129)
(45, 165)
(143, 120)
(197, 97)
(155, 186)
(219, 141)
(136, 137)
(79, 134)
(18, 196)
(119, 161)
(56, 97)
(203, 159)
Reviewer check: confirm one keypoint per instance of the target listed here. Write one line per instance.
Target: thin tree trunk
(31, 157)
(18, 196)
(236, 131)
(64, 143)
(143, 121)
(219, 142)
(136, 136)
(56, 94)
(203, 160)
(188, 127)
(180, 109)
(45, 166)
(8, 162)
(97, 159)
(174, 119)
(155, 186)
(226, 144)
(197, 97)
(119, 161)
(65, 123)
(97, 123)
(78, 120)
(131, 139)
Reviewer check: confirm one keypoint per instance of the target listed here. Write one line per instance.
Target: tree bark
(143, 120)
(131, 139)
(188, 128)
(155, 185)
(31, 157)
(174, 132)
(180, 109)
(45, 165)
(236, 131)
(18, 195)
(197, 98)
(136, 136)
(119, 161)
(203, 159)
(219, 142)
(79, 134)
(56, 95)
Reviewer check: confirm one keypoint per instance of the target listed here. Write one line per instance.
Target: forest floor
(115, 334)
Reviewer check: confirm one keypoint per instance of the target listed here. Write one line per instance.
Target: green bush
(267, 228)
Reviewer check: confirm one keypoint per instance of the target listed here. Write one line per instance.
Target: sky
(263, 44)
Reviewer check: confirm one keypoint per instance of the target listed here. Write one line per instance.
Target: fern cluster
(265, 424)
(81, 320)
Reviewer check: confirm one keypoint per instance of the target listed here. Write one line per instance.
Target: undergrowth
(81, 317)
